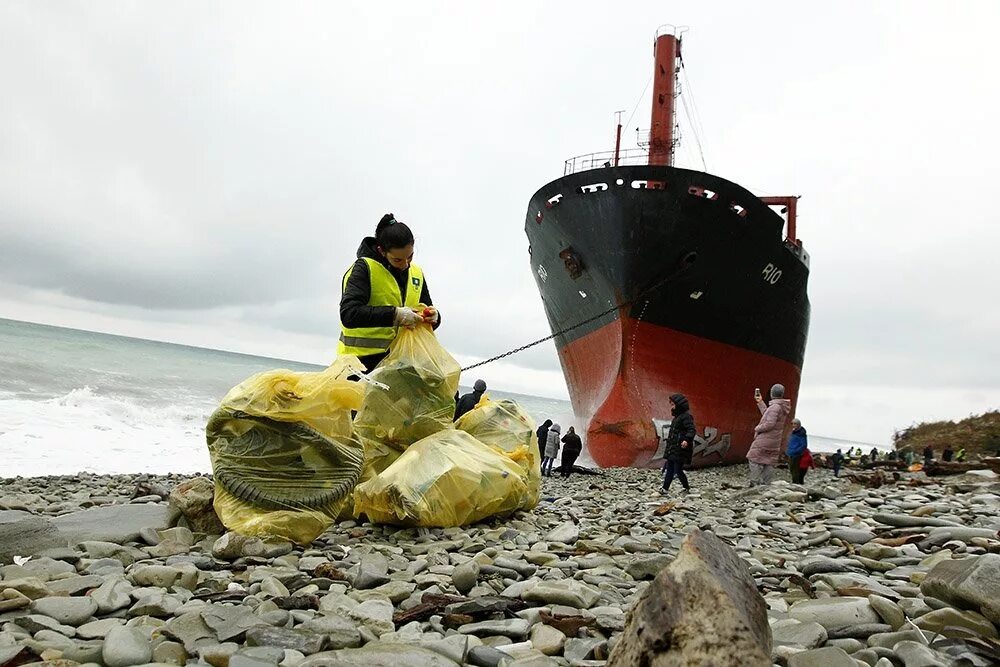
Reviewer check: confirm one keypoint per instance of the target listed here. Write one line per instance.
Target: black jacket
(681, 428)
(354, 309)
(543, 434)
(572, 444)
(467, 402)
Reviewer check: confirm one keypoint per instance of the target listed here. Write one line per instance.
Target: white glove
(434, 317)
(407, 317)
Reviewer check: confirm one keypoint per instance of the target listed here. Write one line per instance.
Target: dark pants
(568, 461)
(798, 475)
(836, 470)
(674, 469)
(547, 465)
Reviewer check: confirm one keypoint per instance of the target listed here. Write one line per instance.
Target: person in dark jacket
(471, 399)
(948, 453)
(543, 435)
(837, 460)
(797, 444)
(680, 443)
(928, 454)
(381, 292)
(572, 446)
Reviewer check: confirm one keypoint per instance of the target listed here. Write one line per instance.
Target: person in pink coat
(766, 447)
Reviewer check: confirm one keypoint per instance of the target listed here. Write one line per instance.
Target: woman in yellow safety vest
(381, 291)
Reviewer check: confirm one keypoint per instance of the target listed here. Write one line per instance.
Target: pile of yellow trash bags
(288, 459)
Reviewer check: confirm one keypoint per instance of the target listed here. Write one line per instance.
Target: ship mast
(666, 53)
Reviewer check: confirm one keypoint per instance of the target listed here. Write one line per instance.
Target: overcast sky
(202, 172)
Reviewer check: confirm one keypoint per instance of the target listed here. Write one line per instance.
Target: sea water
(73, 401)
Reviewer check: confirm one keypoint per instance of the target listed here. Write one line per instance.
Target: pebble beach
(870, 569)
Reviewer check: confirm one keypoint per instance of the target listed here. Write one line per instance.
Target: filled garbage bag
(284, 454)
(422, 379)
(504, 426)
(446, 479)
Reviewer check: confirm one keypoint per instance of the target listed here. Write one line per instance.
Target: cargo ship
(659, 280)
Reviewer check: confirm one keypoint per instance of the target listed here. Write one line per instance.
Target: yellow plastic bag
(284, 454)
(446, 479)
(422, 379)
(505, 427)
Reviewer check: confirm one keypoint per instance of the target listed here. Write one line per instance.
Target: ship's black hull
(692, 260)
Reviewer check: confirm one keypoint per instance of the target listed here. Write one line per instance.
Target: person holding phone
(766, 447)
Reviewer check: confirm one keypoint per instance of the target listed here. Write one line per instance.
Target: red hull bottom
(621, 376)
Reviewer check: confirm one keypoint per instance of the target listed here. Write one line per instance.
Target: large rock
(22, 534)
(114, 523)
(194, 499)
(972, 583)
(702, 609)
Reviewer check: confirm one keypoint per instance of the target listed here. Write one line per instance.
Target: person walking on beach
(572, 446)
(766, 447)
(543, 436)
(471, 399)
(874, 455)
(551, 450)
(680, 443)
(838, 460)
(797, 444)
(381, 292)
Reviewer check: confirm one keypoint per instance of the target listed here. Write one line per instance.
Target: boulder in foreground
(702, 609)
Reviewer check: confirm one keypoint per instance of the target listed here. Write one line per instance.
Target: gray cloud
(190, 160)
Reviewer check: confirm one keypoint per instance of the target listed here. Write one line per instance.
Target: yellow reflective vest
(364, 341)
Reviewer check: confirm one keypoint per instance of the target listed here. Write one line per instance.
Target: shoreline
(840, 567)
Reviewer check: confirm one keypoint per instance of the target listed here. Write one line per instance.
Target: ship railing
(629, 156)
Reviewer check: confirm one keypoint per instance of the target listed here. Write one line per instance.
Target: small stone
(888, 610)
(578, 649)
(125, 646)
(852, 535)
(835, 612)
(372, 571)
(194, 499)
(465, 576)
(486, 656)
(376, 615)
(547, 639)
(567, 592)
(112, 595)
(829, 656)
(169, 653)
(68, 610)
(792, 632)
(305, 642)
(945, 621)
(339, 632)
(74, 585)
(98, 629)
(233, 545)
(218, 655)
(915, 654)
(515, 628)
(566, 533)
